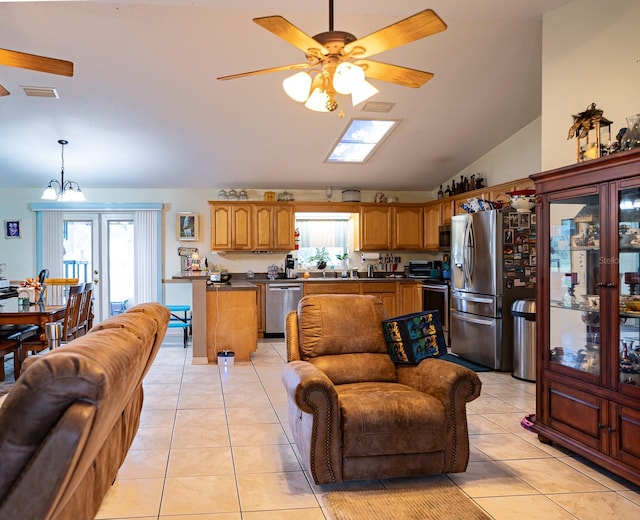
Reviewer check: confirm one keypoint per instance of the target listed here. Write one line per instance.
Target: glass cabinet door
(629, 269)
(574, 307)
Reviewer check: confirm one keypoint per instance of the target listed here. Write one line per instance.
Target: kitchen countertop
(239, 281)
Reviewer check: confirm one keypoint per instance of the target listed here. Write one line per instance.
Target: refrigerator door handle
(470, 319)
(469, 257)
(473, 299)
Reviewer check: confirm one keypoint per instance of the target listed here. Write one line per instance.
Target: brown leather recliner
(354, 414)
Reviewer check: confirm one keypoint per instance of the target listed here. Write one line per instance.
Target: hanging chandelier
(64, 191)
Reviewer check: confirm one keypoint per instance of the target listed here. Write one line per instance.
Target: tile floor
(213, 445)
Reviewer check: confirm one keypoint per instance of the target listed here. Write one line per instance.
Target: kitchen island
(225, 317)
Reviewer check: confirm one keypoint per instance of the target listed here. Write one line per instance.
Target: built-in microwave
(444, 237)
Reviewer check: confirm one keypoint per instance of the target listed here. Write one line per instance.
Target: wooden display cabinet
(588, 328)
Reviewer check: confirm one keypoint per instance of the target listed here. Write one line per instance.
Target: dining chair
(56, 290)
(85, 317)
(72, 314)
(11, 338)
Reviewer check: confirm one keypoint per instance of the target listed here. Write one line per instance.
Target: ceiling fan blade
(34, 62)
(296, 66)
(3, 91)
(420, 25)
(291, 34)
(394, 73)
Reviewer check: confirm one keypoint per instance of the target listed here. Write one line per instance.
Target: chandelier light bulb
(318, 101)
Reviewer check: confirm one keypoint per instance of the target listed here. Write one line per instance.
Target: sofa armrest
(454, 386)
(291, 336)
(314, 419)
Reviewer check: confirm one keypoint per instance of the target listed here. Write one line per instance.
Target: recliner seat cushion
(389, 419)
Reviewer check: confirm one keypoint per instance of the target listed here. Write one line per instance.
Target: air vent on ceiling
(45, 92)
(378, 106)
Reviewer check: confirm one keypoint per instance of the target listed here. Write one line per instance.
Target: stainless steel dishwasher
(281, 298)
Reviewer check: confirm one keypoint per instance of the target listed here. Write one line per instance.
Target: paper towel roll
(370, 256)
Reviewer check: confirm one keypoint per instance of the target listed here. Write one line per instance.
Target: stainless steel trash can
(524, 339)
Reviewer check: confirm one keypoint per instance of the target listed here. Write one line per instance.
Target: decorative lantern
(592, 132)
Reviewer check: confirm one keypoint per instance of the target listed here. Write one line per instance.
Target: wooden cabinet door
(241, 227)
(331, 288)
(386, 291)
(260, 301)
(263, 227)
(284, 222)
(446, 212)
(220, 228)
(375, 227)
(408, 228)
(625, 432)
(410, 297)
(432, 213)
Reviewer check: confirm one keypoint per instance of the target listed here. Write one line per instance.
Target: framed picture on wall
(12, 229)
(187, 226)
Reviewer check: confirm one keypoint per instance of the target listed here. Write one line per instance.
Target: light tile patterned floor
(213, 445)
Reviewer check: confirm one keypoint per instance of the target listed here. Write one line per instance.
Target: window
(361, 138)
(332, 231)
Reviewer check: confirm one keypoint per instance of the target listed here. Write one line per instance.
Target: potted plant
(320, 257)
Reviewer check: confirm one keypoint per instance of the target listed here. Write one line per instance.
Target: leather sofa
(69, 420)
(353, 413)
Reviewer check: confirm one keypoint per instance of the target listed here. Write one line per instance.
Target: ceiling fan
(33, 62)
(342, 59)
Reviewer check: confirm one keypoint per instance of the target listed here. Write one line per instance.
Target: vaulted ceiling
(144, 107)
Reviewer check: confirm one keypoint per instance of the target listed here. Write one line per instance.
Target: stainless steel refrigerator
(483, 286)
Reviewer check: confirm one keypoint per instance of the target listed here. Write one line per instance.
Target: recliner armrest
(305, 384)
(441, 379)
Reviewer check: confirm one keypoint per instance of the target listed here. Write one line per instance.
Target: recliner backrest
(342, 335)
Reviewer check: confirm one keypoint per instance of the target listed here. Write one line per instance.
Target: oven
(435, 296)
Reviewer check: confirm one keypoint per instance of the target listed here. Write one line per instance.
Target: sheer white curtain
(52, 236)
(145, 255)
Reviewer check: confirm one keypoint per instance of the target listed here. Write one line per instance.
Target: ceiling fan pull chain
(330, 15)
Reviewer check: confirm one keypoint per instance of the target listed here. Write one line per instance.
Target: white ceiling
(144, 108)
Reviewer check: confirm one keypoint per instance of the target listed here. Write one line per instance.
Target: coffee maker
(290, 267)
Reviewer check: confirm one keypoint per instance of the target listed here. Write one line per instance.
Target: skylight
(361, 138)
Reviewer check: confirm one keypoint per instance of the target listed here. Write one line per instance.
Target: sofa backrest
(342, 335)
(61, 410)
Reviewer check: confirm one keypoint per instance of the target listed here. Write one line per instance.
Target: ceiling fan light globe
(362, 92)
(318, 101)
(347, 78)
(297, 86)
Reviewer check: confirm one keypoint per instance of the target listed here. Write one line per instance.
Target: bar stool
(180, 322)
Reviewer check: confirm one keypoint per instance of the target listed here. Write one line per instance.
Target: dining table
(13, 313)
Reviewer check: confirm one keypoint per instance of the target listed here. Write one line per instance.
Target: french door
(98, 248)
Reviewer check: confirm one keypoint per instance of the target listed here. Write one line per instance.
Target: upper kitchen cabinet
(432, 220)
(408, 227)
(251, 226)
(588, 319)
(375, 227)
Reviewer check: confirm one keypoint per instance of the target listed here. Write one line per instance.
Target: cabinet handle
(602, 426)
(600, 284)
(612, 429)
(611, 284)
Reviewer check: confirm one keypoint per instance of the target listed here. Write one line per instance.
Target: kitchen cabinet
(375, 227)
(432, 220)
(332, 288)
(408, 227)
(410, 295)
(251, 226)
(387, 292)
(260, 306)
(231, 323)
(588, 321)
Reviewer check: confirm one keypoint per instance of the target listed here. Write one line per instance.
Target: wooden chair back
(57, 289)
(85, 318)
(71, 315)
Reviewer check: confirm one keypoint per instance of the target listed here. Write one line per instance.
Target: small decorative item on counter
(380, 197)
(233, 195)
(306, 274)
(272, 272)
(222, 195)
(351, 196)
(249, 274)
(631, 137)
(243, 195)
(269, 196)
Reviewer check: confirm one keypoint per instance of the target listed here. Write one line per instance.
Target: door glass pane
(629, 267)
(574, 312)
(78, 249)
(120, 259)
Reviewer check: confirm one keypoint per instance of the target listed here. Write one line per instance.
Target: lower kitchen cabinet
(387, 292)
